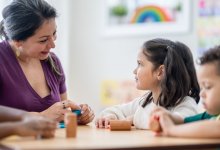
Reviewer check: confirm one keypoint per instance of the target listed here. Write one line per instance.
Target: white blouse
(140, 115)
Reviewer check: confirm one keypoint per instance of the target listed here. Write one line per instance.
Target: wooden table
(89, 137)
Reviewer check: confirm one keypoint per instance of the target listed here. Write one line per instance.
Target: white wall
(94, 58)
(2, 5)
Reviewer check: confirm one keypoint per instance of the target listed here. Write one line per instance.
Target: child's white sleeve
(188, 107)
(122, 111)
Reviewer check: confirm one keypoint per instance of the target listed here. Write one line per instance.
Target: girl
(209, 80)
(167, 71)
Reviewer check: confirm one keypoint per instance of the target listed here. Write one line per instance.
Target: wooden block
(70, 121)
(155, 125)
(120, 125)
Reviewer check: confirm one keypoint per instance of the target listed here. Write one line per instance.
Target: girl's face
(146, 78)
(209, 82)
(39, 45)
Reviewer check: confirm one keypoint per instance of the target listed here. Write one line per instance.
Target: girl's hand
(87, 114)
(57, 110)
(103, 122)
(130, 118)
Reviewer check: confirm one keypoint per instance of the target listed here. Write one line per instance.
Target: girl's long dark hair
(180, 76)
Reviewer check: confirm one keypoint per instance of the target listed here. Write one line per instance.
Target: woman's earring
(17, 52)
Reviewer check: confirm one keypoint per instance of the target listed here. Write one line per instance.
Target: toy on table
(120, 125)
(77, 112)
(70, 120)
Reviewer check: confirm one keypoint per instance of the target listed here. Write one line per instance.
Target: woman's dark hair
(180, 75)
(211, 56)
(21, 19)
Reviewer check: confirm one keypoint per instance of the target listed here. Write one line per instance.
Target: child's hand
(166, 124)
(161, 123)
(154, 124)
(130, 118)
(103, 122)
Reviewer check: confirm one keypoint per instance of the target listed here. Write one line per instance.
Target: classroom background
(98, 41)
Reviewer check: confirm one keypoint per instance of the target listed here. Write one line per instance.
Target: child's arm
(31, 125)
(118, 112)
(122, 111)
(200, 129)
(11, 114)
(8, 129)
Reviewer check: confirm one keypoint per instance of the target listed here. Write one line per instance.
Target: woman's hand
(87, 114)
(57, 110)
(35, 125)
(103, 122)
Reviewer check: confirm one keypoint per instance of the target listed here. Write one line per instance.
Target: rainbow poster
(150, 13)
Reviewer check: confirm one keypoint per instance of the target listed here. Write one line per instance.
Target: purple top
(15, 90)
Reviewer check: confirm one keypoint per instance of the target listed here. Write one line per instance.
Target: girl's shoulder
(189, 99)
(188, 102)
(143, 98)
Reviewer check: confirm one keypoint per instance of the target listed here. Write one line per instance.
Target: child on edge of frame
(206, 124)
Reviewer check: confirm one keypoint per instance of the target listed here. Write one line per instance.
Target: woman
(31, 77)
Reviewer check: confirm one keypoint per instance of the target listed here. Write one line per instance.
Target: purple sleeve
(61, 79)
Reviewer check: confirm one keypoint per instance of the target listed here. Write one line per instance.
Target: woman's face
(39, 45)
(145, 76)
(209, 81)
